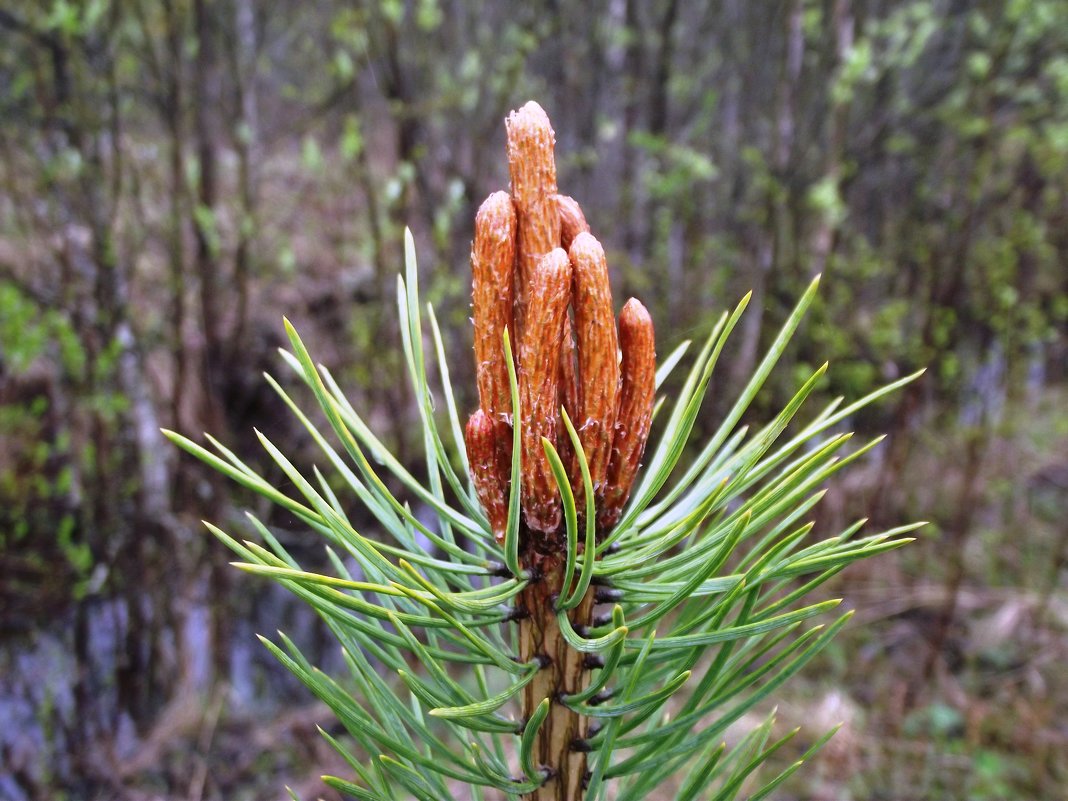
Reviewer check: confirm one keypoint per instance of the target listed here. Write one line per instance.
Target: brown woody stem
(564, 672)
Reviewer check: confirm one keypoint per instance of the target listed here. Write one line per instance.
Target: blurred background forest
(177, 174)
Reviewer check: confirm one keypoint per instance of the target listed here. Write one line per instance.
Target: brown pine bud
(533, 171)
(598, 358)
(539, 371)
(492, 295)
(569, 386)
(572, 220)
(636, 396)
(483, 455)
(568, 390)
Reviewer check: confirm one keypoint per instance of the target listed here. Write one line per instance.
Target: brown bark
(563, 672)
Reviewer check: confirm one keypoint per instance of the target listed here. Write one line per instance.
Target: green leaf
(487, 705)
(511, 536)
(653, 699)
(526, 743)
(349, 788)
(567, 502)
(611, 662)
(570, 601)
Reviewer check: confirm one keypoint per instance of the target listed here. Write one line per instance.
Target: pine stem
(563, 672)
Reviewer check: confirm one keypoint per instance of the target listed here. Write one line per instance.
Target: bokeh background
(175, 175)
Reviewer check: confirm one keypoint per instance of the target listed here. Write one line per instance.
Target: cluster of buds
(539, 273)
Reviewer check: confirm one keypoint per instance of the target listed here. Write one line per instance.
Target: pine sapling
(580, 615)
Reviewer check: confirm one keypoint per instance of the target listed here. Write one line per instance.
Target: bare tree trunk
(207, 268)
(629, 195)
(215, 358)
(243, 53)
(823, 237)
(172, 108)
(772, 244)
